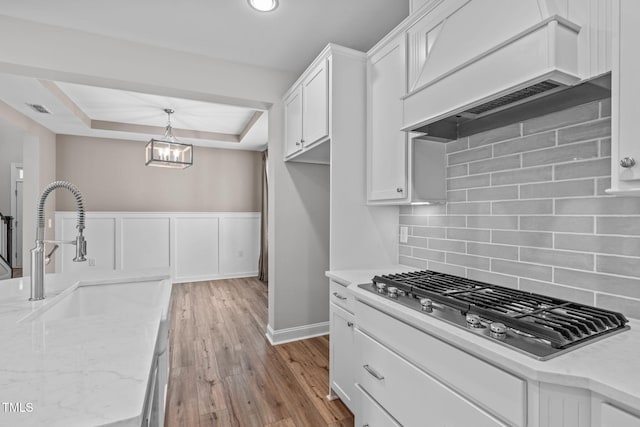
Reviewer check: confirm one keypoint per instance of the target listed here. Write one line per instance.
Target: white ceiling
(287, 39)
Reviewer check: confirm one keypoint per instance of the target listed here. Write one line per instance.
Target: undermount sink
(96, 299)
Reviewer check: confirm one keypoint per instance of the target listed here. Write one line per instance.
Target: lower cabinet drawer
(371, 414)
(340, 296)
(408, 394)
(492, 388)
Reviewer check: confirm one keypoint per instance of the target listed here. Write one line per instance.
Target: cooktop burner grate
(561, 323)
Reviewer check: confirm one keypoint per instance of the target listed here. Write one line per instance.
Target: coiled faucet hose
(79, 205)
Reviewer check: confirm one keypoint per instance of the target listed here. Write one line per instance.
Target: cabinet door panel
(342, 348)
(625, 90)
(387, 145)
(293, 122)
(315, 105)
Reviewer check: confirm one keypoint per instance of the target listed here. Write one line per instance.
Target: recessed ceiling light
(264, 5)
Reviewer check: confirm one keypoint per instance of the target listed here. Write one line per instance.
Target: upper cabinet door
(625, 90)
(386, 143)
(293, 122)
(315, 105)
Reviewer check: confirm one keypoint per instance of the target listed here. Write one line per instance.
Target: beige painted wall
(39, 162)
(112, 177)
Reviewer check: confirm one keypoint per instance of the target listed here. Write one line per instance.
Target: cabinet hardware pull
(628, 162)
(302, 141)
(349, 324)
(373, 373)
(337, 295)
(298, 143)
(399, 190)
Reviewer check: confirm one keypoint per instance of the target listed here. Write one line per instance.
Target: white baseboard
(282, 336)
(204, 278)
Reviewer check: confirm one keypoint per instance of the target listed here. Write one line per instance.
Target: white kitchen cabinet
(386, 145)
(306, 107)
(293, 122)
(400, 170)
(341, 348)
(315, 105)
(371, 414)
(625, 109)
(341, 355)
(614, 417)
(408, 394)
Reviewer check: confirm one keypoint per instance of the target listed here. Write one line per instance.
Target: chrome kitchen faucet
(37, 253)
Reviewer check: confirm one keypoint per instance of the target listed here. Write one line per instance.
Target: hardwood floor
(224, 372)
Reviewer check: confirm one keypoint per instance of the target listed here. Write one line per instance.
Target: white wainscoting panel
(196, 246)
(145, 243)
(103, 255)
(239, 249)
(193, 246)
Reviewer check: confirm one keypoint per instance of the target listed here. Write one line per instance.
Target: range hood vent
(533, 101)
(511, 98)
(521, 57)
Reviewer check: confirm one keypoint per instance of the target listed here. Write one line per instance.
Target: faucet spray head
(81, 248)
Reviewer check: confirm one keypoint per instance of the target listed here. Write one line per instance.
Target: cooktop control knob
(473, 321)
(426, 305)
(381, 288)
(392, 291)
(498, 330)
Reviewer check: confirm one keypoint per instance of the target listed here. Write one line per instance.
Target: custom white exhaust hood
(491, 63)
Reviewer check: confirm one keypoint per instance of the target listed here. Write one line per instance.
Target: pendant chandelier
(168, 152)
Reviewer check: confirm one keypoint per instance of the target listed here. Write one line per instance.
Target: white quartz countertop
(610, 366)
(80, 362)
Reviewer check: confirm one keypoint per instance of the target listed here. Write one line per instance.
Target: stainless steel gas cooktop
(539, 326)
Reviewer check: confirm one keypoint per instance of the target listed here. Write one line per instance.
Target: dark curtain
(263, 261)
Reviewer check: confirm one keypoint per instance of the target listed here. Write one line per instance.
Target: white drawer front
(409, 395)
(340, 296)
(493, 388)
(371, 414)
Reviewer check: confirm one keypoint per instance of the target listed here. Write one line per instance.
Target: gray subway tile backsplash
(495, 135)
(579, 114)
(580, 151)
(522, 269)
(582, 187)
(536, 239)
(497, 222)
(558, 291)
(623, 225)
(493, 193)
(468, 182)
(492, 165)
(615, 245)
(527, 143)
(588, 168)
(469, 155)
(520, 176)
(526, 207)
(567, 224)
(569, 259)
(544, 225)
(585, 131)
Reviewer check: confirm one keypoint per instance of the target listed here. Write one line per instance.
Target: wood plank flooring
(224, 372)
